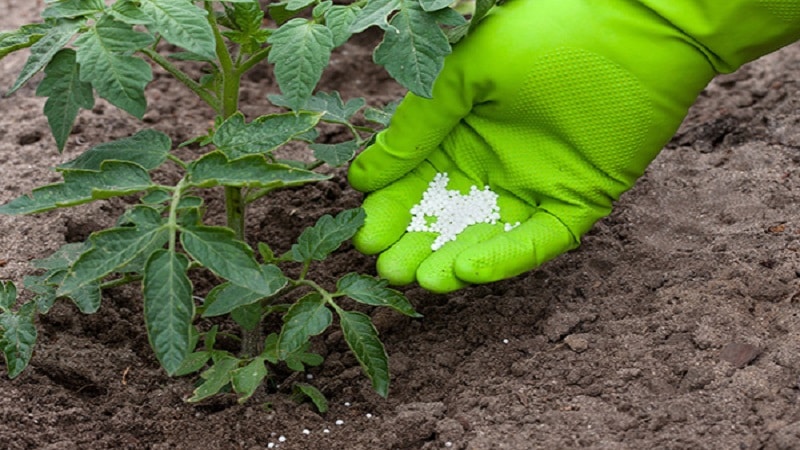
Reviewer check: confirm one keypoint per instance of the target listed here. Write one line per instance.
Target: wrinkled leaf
(17, 337)
(228, 296)
(192, 363)
(8, 295)
(168, 307)
(115, 178)
(66, 94)
(308, 317)
(335, 155)
(414, 54)
(371, 291)
(362, 338)
(339, 19)
(218, 250)
(182, 24)
(434, 5)
(381, 116)
(43, 50)
(215, 378)
(236, 138)
(331, 106)
(320, 240)
(147, 148)
(22, 37)
(375, 12)
(73, 8)
(300, 52)
(104, 56)
(247, 379)
(252, 171)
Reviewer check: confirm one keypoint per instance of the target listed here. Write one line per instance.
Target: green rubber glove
(558, 106)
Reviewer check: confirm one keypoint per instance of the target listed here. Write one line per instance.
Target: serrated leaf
(44, 49)
(236, 138)
(8, 295)
(45, 292)
(218, 250)
(66, 94)
(375, 12)
(113, 248)
(247, 379)
(298, 360)
(17, 337)
(321, 8)
(73, 8)
(331, 106)
(61, 258)
(116, 178)
(181, 23)
(362, 338)
(128, 11)
(300, 52)
(228, 296)
(87, 298)
(252, 171)
(307, 317)
(339, 19)
(168, 307)
(414, 55)
(320, 240)
(280, 13)
(383, 115)
(371, 291)
(192, 363)
(104, 56)
(482, 8)
(216, 377)
(248, 316)
(22, 37)
(147, 148)
(335, 155)
(305, 390)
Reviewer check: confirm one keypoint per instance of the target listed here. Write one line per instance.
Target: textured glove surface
(556, 105)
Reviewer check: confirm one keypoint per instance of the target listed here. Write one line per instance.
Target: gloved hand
(558, 106)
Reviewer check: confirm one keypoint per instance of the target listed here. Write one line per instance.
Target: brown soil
(675, 326)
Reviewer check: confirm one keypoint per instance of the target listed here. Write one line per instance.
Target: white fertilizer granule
(448, 212)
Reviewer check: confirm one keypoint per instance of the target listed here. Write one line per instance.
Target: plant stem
(182, 77)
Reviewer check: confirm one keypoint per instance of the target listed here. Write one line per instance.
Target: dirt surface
(675, 326)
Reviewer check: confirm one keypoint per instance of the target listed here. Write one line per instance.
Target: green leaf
(8, 295)
(300, 52)
(335, 155)
(61, 258)
(331, 106)
(371, 291)
(295, 5)
(339, 19)
(308, 317)
(228, 296)
(414, 55)
(45, 292)
(305, 390)
(216, 378)
(104, 56)
(17, 338)
(66, 94)
(236, 138)
(147, 148)
(320, 240)
(128, 11)
(115, 178)
(113, 248)
(245, 20)
(73, 8)
(168, 307)
(362, 338)
(252, 171)
(434, 5)
(182, 24)
(382, 116)
(280, 13)
(298, 360)
(87, 298)
(44, 49)
(192, 363)
(218, 250)
(375, 12)
(248, 316)
(247, 379)
(22, 37)
(482, 8)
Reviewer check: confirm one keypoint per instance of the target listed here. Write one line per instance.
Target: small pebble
(739, 354)
(306, 431)
(346, 403)
(340, 422)
(576, 343)
(282, 438)
(326, 431)
(309, 376)
(369, 416)
(505, 341)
